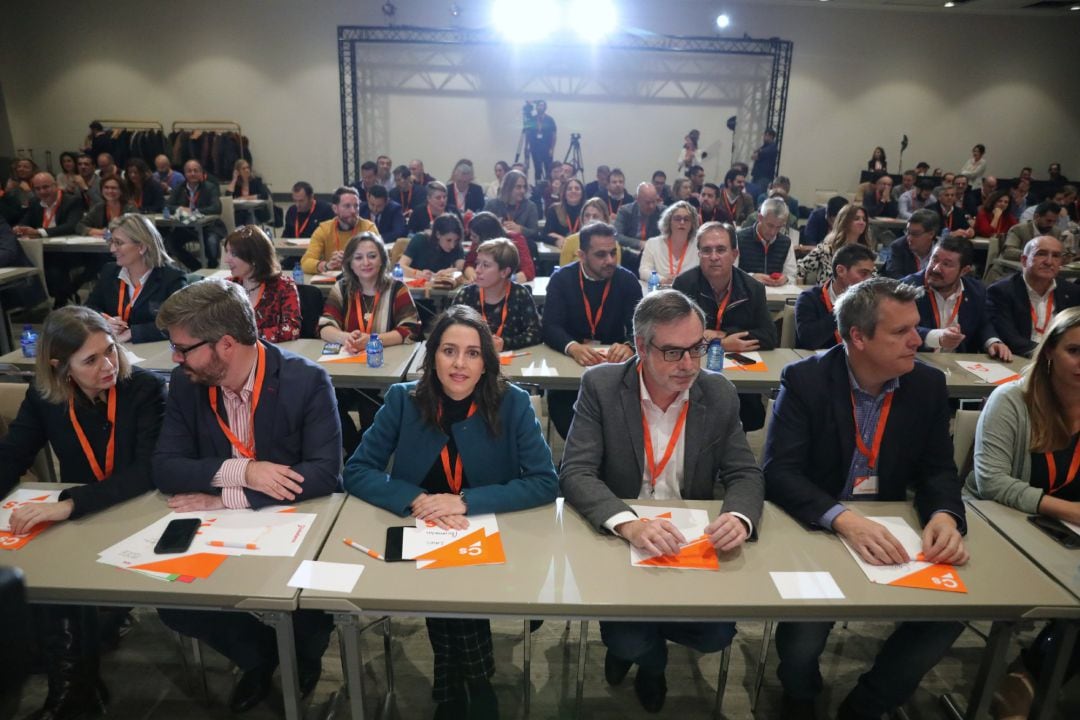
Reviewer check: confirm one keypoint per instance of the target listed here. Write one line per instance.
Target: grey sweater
(1003, 451)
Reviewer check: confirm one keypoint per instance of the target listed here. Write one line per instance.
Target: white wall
(860, 78)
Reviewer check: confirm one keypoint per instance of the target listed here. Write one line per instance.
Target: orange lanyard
(588, 307)
(671, 258)
(1046, 320)
(948, 219)
(431, 218)
(879, 431)
(124, 311)
(764, 246)
(655, 470)
(731, 206)
(1051, 467)
(297, 227)
(937, 314)
(453, 479)
(46, 216)
(575, 225)
(138, 200)
(829, 307)
(245, 449)
(506, 304)
(723, 306)
(358, 303)
(110, 449)
(459, 202)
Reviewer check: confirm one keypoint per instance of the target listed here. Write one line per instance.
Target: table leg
(349, 631)
(282, 623)
(990, 671)
(1046, 694)
(583, 646)
(527, 671)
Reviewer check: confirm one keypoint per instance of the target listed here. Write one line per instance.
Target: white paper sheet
(908, 537)
(806, 586)
(329, 576)
(424, 538)
(691, 523)
(299, 242)
(1072, 526)
(993, 373)
(541, 369)
(20, 497)
(132, 358)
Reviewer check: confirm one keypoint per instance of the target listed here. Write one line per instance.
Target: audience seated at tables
(101, 417)
(326, 249)
(953, 316)
(142, 191)
(245, 185)
(877, 198)
(1025, 450)
(437, 254)
(250, 257)
(594, 188)
(463, 194)
(851, 227)
(115, 202)
(594, 210)
(457, 443)
(950, 216)
(196, 193)
(708, 204)
(590, 302)
(993, 218)
(55, 214)
(492, 190)
(815, 321)
(819, 223)
(68, 177)
(907, 184)
(564, 217)
(435, 206)
(129, 291)
(90, 182)
(1022, 305)
(1021, 196)
(734, 199)
(1044, 221)
(407, 193)
(764, 251)
(419, 176)
(384, 173)
(517, 213)
(18, 194)
(671, 252)
(865, 421)
(987, 187)
(781, 187)
(25, 293)
(919, 197)
(368, 179)
(1058, 198)
(167, 178)
(638, 221)
(663, 190)
(506, 306)
(385, 214)
(306, 213)
(484, 227)
(662, 392)
(910, 252)
(615, 194)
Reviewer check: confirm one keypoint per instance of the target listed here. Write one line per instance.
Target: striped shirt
(230, 476)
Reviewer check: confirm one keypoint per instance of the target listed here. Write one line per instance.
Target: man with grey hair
(764, 251)
(234, 438)
(657, 428)
(637, 222)
(864, 421)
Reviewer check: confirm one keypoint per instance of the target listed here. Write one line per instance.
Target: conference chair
(11, 397)
(787, 324)
(311, 307)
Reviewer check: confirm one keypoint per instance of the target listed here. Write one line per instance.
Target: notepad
(806, 586)
(329, 576)
(916, 573)
(993, 373)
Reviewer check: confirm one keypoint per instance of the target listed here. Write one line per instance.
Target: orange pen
(366, 550)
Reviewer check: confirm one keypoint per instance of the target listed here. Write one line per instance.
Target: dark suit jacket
(26, 293)
(746, 310)
(973, 316)
(68, 215)
(1010, 309)
(296, 424)
(391, 223)
(162, 283)
(604, 460)
(812, 437)
(208, 201)
(474, 199)
(815, 326)
(959, 220)
(153, 198)
(901, 262)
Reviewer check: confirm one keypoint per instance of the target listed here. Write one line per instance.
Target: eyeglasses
(681, 218)
(675, 354)
(710, 250)
(185, 350)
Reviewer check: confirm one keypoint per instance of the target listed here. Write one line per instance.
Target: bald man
(196, 193)
(638, 221)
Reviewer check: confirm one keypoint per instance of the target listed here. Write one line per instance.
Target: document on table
(299, 242)
(24, 496)
(326, 278)
(343, 356)
(757, 366)
(1072, 526)
(993, 373)
(321, 575)
(539, 369)
(914, 574)
(432, 547)
(806, 586)
(132, 358)
(697, 554)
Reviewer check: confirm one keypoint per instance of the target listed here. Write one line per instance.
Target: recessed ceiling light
(950, 4)
(722, 21)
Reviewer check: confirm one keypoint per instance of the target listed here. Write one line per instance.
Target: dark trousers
(1034, 657)
(249, 643)
(908, 654)
(561, 409)
(541, 157)
(645, 643)
(366, 403)
(463, 652)
(178, 245)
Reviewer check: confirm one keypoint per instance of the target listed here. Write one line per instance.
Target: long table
(558, 567)
(61, 567)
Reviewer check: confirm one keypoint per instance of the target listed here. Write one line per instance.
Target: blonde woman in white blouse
(672, 251)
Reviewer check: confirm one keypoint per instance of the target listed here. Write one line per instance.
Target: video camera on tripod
(528, 116)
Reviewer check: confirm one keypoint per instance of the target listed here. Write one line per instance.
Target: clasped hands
(280, 482)
(941, 540)
(661, 537)
(446, 510)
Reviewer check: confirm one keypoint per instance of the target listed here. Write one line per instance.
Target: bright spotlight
(722, 21)
(524, 21)
(592, 19)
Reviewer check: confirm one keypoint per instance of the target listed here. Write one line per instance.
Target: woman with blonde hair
(130, 290)
(673, 251)
(594, 210)
(851, 226)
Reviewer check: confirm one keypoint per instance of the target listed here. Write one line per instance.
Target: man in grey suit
(638, 221)
(692, 420)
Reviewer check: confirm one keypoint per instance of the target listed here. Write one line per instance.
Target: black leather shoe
(452, 709)
(615, 668)
(796, 709)
(310, 671)
(483, 705)
(847, 711)
(251, 688)
(651, 690)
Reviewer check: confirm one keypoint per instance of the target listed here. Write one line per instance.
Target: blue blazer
(510, 472)
(301, 430)
(973, 316)
(391, 225)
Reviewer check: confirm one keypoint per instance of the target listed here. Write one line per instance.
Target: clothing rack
(132, 124)
(208, 125)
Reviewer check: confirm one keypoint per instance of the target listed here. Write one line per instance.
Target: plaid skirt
(463, 652)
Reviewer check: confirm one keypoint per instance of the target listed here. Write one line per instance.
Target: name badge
(865, 485)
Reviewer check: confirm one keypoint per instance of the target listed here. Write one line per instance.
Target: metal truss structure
(376, 61)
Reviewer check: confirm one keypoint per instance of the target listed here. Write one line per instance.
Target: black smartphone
(395, 537)
(1055, 529)
(331, 348)
(740, 359)
(177, 536)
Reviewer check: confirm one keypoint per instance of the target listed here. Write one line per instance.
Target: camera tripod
(573, 156)
(525, 147)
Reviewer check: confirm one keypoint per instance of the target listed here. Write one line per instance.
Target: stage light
(524, 21)
(592, 19)
(722, 21)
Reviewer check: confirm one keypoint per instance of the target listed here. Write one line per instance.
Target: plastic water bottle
(715, 359)
(298, 274)
(554, 269)
(374, 351)
(165, 214)
(398, 273)
(654, 282)
(28, 341)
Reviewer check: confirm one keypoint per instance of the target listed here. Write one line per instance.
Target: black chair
(14, 624)
(311, 307)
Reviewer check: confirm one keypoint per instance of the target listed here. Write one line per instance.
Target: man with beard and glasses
(329, 239)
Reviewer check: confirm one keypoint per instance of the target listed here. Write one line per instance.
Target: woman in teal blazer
(464, 442)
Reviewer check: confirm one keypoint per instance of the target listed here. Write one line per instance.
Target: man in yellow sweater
(326, 251)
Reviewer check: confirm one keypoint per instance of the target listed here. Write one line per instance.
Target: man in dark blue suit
(815, 324)
(952, 312)
(865, 421)
(385, 213)
(231, 439)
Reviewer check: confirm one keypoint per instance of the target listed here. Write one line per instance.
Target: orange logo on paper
(699, 554)
(935, 577)
(476, 548)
